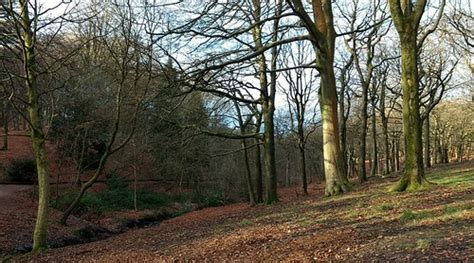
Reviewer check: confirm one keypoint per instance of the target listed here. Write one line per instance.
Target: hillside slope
(367, 224)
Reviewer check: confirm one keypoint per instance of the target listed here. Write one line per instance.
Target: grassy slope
(368, 223)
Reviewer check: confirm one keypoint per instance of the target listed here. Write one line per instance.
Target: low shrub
(117, 196)
(22, 171)
(210, 199)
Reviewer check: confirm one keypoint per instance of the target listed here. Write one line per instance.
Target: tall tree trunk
(269, 154)
(287, 171)
(16, 122)
(37, 134)
(392, 156)
(385, 140)
(407, 18)
(397, 154)
(248, 171)
(351, 160)
(268, 91)
(363, 135)
(435, 146)
(413, 176)
(336, 183)
(460, 152)
(250, 188)
(303, 168)
(6, 117)
(343, 124)
(258, 170)
(375, 162)
(323, 36)
(427, 155)
(445, 155)
(386, 146)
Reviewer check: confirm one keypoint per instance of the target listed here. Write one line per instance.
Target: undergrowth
(118, 196)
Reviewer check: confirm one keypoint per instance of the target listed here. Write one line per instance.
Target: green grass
(451, 210)
(385, 207)
(423, 244)
(245, 222)
(353, 214)
(410, 215)
(453, 177)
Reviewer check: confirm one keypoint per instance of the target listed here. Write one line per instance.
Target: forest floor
(367, 224)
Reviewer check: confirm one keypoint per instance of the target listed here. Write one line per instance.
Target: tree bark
(248, 172)
(427, 153)
(287, 171)
(322, 36)
(460, 152)
(436, 144)
(397, 154)
(386, 146)
(6, 117)
(37, 133)
(335, 180)
(258, 170)
(406, 18)
(375, 162)
(363, 135)
(413, 176)
(303, 169)
(250, 188)
(269, 154)
(385, 140)
(343, 117)
(268, 107)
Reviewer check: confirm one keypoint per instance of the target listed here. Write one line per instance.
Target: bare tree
(29, 44)
(406, 17)
(132, 74)
(299, 89)
(362, 46)
(322, 36)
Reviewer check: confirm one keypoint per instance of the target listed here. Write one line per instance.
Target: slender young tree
(243, 124)
(268, 91)
(132, 71)
(26, 37)
(344, 103)
(299, 92)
